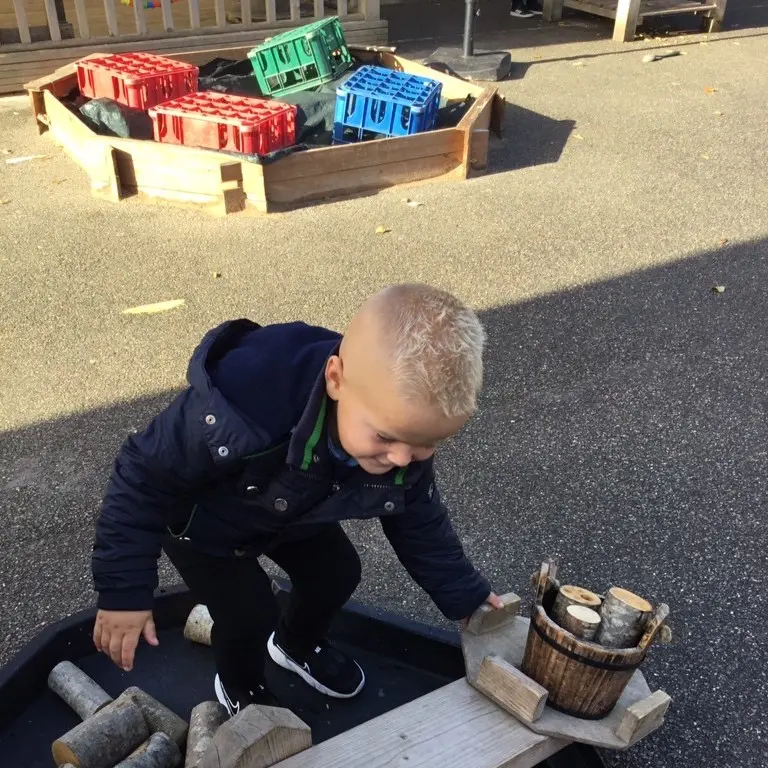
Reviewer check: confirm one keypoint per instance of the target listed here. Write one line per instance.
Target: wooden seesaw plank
(452, 727)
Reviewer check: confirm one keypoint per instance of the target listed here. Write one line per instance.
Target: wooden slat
(221, 13)
(452, 727)
(271, 11)
(82, 19)
(165, 5)
(627, 18)
(53, 20)
(194, 14)
(341, 8)
(371, 9)
(140, 15)
(109, 10)
(295, 6)
(245, 13)
(319, 9)
(692, 7)
(19, 6)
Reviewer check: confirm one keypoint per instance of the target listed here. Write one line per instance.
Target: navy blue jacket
(239, 462)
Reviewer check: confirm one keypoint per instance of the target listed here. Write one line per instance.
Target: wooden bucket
(583, 679)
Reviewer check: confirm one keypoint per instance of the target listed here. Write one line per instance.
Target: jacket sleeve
(426, 544)
(152, 482)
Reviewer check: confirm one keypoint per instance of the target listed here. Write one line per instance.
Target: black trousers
(324, 572)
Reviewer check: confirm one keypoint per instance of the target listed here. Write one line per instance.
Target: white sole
(219, 690)
(286, 663)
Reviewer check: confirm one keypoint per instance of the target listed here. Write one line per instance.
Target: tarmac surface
(623, 425)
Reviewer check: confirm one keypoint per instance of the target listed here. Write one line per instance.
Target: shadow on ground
(623, 429)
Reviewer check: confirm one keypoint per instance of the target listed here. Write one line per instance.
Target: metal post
(469, 28)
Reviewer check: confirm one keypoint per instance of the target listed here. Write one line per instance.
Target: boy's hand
(116, 633)
(493, 600)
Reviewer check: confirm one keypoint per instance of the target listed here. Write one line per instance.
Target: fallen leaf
(709, 89)
(7, 151)
(578, 64)
(25, 159)
(718, 289)
(724, 241)
(150, 309)
(705, 157)
(4, 202)
(92, 361)
(538, 58)
(563, 24)
(381, 230)
(578, 136)
(215, 275)
(718, 113)
(412, 203)
(58, 181)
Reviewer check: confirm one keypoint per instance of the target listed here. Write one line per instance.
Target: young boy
(284, 431)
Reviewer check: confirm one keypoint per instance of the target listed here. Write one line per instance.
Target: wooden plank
(327, 160)
(643, 717)
(677, 8)
(714, 20)
(210, 36)
(477, 118)
(221, 13)
(245, 13)
(109, 10)
(194, 14)
(140, 16)
(341, 8)
(19, 7)
(295, 7)
(627, 17)
(452, 727)
(165, 5)
(271, 11)
(486, 618)
(552, 10)
(319, 9)
(82, 19)
(53, 20)
(371, 9)
(513, 691)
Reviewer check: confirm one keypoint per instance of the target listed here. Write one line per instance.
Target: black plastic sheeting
(314, 116)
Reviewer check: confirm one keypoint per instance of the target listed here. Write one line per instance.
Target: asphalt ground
(623, 424)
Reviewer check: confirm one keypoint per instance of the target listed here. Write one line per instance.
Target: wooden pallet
(118, 168)
(630, 13)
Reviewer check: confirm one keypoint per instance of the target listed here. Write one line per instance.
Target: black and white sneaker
(325, 668)
(519, 12)
(236, 699)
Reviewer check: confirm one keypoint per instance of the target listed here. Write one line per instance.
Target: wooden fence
(37, 36)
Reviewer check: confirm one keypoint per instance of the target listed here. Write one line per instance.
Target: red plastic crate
(222, 121)
(141, 80)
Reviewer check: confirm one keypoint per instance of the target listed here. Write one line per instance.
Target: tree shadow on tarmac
(622, 429)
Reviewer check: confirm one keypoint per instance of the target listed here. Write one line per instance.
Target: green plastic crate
(301, 58)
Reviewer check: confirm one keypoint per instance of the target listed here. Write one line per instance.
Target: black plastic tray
(402, 660)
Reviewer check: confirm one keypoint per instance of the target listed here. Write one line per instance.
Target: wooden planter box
(119, 168)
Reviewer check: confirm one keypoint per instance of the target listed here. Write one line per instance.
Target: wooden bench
(629, 14)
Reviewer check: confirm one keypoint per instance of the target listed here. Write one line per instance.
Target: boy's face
(375, 424)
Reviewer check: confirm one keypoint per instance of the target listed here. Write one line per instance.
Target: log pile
(618, 619)
(137, 731)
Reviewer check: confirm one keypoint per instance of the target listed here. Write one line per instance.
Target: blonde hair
(435, 345)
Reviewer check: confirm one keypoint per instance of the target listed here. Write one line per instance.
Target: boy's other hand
(493, 600)
(117, 633)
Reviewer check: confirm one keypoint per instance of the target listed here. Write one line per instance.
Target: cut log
(159, 751)
(569, 594)
(258, 737)
(486, 618)
(159, 718)
(205, 720)
(581, 621)
(198, 626)
(104, 738)
(642, 717)
(513, 691)
(623, 615)
(77, 689)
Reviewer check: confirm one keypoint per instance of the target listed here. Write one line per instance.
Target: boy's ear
(333, 376)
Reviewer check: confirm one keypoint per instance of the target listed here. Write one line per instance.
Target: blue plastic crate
(376, 102)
